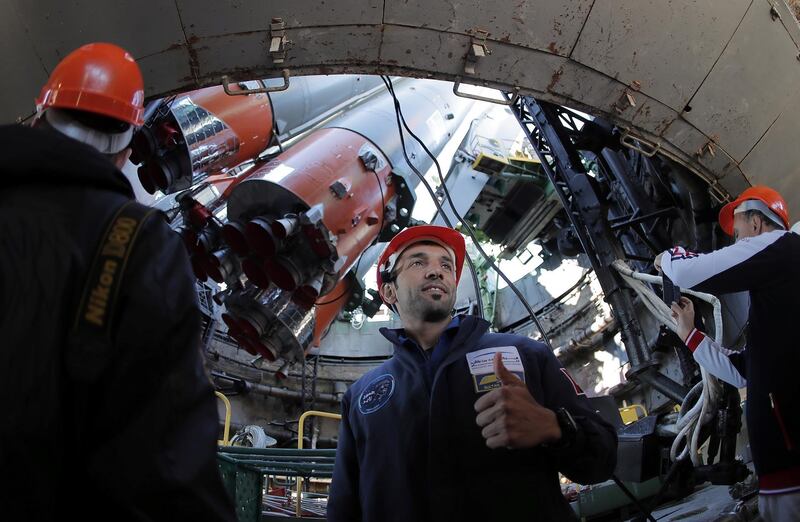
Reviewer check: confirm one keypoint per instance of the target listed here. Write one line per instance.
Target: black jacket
(768, 266)
(407, 454)
(146, 449)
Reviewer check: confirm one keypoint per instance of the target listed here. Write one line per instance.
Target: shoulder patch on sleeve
(681, 253)
(578, 390)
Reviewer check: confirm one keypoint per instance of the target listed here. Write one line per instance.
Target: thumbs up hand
(504, 375)
(510, 417)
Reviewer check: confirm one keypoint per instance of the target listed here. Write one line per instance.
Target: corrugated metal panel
(738, 77)
(423, 49)
(550, 25)
(167, 71)
(57, 27)
(775, 160)
(750, 85)
(702, 150)
(619, 40)
(23, 72)
(203, 18)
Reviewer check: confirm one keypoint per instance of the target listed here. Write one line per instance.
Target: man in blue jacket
(460, 424)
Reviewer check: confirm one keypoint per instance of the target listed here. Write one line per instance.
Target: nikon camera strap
(89, 350)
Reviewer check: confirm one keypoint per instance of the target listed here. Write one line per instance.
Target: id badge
(481, 366)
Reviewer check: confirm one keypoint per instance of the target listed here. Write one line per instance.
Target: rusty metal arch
(711, 84)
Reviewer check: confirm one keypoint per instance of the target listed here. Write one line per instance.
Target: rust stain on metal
(555, 78)
(664, 126)
(194, 60)
(552, 48)
(710, 147)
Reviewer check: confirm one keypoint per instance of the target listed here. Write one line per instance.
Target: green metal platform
(245, 470)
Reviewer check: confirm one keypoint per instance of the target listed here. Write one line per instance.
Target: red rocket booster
(284, 235)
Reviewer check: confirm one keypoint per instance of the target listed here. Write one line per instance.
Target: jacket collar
(45, 156)
(470, 330)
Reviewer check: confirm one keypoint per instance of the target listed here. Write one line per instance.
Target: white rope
(690, 422)
(253, 436)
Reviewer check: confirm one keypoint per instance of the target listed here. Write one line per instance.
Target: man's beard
(435, 315)
(435, 311)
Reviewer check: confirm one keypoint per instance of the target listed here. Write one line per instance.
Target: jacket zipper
(777, 412)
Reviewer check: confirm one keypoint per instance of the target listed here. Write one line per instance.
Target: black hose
(464, 223)
(400, 118)
(669, 477)
(525, 320)
(633, 498)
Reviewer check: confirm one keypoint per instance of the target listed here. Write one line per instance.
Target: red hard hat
(100, 78)
(771, 198)
(444, 235)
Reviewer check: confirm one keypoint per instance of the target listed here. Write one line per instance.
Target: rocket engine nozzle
(261, 238)
(222, 265)
(233, 234)
(253, 268)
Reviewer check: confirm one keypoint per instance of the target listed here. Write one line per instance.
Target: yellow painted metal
(227, 431)
(300, 424)
(629, 413)
(489, 163)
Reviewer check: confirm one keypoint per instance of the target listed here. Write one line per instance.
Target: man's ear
(388, 293)
(121, 158)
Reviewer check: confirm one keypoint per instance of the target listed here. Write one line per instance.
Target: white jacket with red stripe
(768, 267)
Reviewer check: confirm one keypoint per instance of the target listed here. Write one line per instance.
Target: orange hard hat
(100, 78)
(773, 203)
(447, 237)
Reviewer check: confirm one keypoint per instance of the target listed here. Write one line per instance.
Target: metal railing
(227, 430)
(300, 425)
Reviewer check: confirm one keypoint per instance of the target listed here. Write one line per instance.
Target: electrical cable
(691, 422)
(545, 308)
(465, 225)
(631, 496)
(399, 117)
(383, 216)
(331, 301)
(22, 120)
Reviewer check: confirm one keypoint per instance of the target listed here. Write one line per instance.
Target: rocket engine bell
(205, 132)
(200, 133)
(286, 235)
(302, 220)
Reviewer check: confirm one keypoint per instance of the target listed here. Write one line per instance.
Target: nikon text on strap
(90, 338)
